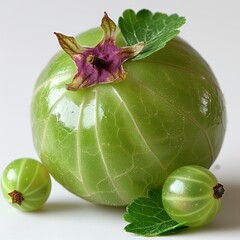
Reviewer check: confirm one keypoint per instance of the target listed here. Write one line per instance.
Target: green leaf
(155, 30)
(147, 216)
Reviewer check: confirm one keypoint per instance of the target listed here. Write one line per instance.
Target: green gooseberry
(26, 184)
(193, 195)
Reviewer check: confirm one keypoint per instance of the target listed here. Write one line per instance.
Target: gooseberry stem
(218, 191)
(17, 197)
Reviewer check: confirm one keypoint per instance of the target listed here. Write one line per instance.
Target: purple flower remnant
(99, 64)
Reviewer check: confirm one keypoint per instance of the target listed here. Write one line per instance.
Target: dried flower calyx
(99, 64)
(16, 197)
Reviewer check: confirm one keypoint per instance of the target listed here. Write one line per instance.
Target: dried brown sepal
(17, 197)
(218, 191)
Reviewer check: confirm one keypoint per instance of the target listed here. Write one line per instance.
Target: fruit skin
(111, 143)
(30, 178)
(188, 196)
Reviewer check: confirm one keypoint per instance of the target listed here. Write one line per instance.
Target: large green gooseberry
(111, 143)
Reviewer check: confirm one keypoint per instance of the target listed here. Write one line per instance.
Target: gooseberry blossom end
(102, 63)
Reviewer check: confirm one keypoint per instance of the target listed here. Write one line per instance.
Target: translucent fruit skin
(111, 143)
(31, 179)
(187, 196)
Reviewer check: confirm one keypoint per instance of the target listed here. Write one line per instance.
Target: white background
(26, 45)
